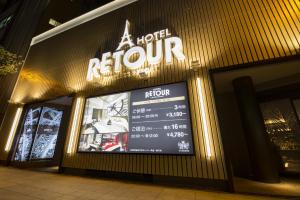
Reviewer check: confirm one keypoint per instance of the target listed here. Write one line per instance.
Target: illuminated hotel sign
(133, 56)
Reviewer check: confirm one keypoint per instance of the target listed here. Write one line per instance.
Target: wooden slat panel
(257, 32)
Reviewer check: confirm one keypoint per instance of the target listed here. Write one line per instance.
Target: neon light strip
(203, 117)
(107, 8)
(13, 129)
(74, 126)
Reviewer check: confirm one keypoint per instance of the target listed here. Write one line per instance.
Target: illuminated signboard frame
(138, 153)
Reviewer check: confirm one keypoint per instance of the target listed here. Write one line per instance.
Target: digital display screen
(46, 134)
(26, 138)
(153, 120)
(39, 134)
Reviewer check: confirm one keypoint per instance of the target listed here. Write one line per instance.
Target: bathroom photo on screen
(105, 125)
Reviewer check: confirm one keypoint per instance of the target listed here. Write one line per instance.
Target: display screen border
(21, 128)
(135, 153)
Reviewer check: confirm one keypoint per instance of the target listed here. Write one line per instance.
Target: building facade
(110, 51)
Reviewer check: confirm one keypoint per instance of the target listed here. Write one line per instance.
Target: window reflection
(283, 130)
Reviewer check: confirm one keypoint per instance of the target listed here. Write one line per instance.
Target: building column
(263, 164)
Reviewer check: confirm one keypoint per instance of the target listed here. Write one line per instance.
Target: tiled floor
(16, 184)
(287, 187)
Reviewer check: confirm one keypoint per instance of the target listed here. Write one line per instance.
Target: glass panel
(283, 129)
(297, 107)
(29, 128)
(46, 135)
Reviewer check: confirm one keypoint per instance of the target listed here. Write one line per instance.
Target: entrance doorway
(41, 134)
(276, 90)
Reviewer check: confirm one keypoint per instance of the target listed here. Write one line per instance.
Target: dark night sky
(65, 10)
